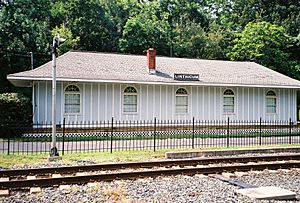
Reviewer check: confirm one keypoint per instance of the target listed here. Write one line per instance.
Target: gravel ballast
(161, 189)
(174, 189)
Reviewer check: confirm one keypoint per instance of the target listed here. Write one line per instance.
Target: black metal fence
(153, 134)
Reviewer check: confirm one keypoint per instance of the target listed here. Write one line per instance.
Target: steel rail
(146, 164)
(14, 184)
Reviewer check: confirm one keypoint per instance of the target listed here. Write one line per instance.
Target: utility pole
(56, 42)
(31, 60)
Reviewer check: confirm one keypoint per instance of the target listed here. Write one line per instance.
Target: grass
(9, 161)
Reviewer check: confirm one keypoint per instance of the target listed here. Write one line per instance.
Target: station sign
(186, 77)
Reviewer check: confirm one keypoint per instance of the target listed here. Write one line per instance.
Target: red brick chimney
(151, 55)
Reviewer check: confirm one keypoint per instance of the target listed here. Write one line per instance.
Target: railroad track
(133, 170)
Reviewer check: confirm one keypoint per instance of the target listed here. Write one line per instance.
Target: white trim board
(29, 79)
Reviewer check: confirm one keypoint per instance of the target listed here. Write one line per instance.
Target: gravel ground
(175, 189)
(161, 189)
(54, 164)
(182, 189)
(285, 180)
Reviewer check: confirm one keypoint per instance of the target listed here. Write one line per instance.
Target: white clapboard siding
(101, 102)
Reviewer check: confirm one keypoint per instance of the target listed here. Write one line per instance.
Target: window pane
(181, 100)
(228, 101)
(271, 105)
(130, 90)
(228, 109)
(271, 93)
(228, 104)
(228, 92)
(181, 104)
(181, 91)
(72, 88)
(72, 98)
(130, 99)
(271, 101)
(130, 103)
(181, 109)
(130, 108)
(72, 103)
(271, 109)
(72, 109)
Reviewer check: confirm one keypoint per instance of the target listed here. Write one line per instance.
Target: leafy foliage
(266, 32)
(24, 28)
(71, 43)
(144, 31)
(264, 43)
(15, 109)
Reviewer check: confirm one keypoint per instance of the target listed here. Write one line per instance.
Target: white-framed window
(228, 101)
(130, 100)
(181, 101)
(72, 99)
(271, 102)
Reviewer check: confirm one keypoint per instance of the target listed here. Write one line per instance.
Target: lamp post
(56, 41)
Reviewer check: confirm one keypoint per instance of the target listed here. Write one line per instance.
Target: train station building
(95, 87)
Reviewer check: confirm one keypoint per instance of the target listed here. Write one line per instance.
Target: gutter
(27, 82)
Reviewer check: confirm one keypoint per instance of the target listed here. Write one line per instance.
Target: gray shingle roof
(93, 67)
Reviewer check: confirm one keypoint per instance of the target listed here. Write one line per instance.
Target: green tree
(193, 28)
(145, 30)
(71, 42)
(191, 40)
(264, 43)
(173, 27)
(234, 15)
(118, 12)
(179, 12)
(87, 20)
(24, 26)
(238, 13)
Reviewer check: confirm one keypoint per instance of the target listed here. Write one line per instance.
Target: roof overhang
(27, 82)
(20, 82)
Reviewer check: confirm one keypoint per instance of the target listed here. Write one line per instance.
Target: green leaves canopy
(85, 19)
(257, 30)
(144, 31)
(266, 44)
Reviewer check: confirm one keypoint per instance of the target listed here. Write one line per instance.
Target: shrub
(16, 113)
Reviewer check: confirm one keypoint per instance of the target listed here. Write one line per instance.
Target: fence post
(154, 133)
(8, 143)
(193, 133)
(290, 131)
(63, 146)
(260, 131)
(228, 132)
(111, 134)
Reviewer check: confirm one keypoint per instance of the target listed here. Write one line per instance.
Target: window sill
(72, 114)
(130, 113)
(181, 114)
